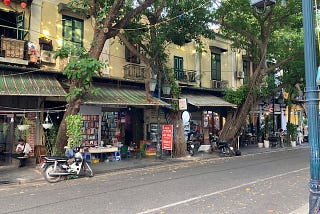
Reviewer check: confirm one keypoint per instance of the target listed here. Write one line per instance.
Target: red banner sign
(167, 131)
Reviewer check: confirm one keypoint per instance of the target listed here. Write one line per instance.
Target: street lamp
(312, 104)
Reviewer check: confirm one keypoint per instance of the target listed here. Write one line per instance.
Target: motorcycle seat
(53, 158)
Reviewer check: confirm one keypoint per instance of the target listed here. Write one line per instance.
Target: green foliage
(50, 143)
(81, 68)
(237, 96)
(23, 133)
(266, 126)
(292, 131)
(241, 23)
(74, 130)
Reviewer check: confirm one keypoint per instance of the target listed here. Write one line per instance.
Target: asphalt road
(265, 183)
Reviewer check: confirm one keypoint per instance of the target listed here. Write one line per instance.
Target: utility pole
(312, 104)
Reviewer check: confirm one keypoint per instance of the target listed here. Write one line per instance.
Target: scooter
(192, 145)
(223, 147)
(57, 168)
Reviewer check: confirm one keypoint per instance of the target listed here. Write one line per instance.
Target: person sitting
(69, 154)
(23, 151)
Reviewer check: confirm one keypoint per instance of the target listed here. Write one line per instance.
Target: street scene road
(262, 183)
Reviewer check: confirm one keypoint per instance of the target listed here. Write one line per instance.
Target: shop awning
(30, 84)
(107, 95)
(207, 101)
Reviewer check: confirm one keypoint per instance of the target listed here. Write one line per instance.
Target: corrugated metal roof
(120, 96)
(206, 101)
(30, 84)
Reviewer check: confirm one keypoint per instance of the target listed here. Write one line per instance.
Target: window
(12, 25)
(178, 68)
(246, 71)
(215, 66)
(72, 31)
(130, 57)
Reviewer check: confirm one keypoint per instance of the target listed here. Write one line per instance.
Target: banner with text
(167, 131)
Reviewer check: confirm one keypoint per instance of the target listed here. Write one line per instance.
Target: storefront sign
(167, 131)
(182, 104)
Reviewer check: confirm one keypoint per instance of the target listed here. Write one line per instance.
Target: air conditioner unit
(215, 84)
(240, 74)
(47, 56)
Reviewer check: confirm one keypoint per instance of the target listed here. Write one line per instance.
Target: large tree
(110, 17)
(168, 23)
(273, 32)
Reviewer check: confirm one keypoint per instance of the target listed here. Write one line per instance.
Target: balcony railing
(13, 48)
(134, 72)
(186, 76)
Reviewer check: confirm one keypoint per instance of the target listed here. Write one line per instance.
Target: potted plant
(47, 123)
(266, 128)
(22, 130)
(292, 132)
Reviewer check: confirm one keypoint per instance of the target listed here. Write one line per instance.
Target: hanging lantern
(23, 5)
(6, 2)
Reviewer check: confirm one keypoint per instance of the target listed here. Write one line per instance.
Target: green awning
(207, 101)
(30, 84)
(120, 96)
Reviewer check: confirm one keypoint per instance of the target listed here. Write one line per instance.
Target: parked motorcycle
(57, 168)
(193, 145)
(223, 147)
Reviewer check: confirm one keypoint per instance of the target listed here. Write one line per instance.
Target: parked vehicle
(193, 145)
(59, 168)
(225, 148)
(222, 147)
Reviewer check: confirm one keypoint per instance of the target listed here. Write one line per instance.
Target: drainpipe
(312, 105)
(197, 62)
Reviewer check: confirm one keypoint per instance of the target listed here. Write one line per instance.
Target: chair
(125, 153)
(142, 152)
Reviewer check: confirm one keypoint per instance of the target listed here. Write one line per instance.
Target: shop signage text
(167, 131)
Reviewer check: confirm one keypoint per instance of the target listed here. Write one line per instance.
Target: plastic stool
(117, 156)
(87, 156)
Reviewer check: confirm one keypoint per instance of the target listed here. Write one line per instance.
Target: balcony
(134, 72)
(13, 51)
(185, 76)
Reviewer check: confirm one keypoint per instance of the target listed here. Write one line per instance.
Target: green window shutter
(216, 66)
(178, 67)
(72, 31)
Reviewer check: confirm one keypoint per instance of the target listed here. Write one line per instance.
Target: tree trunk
(180, 146)
(231, 128)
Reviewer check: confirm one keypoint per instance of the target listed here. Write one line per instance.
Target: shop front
(24, 97)
(118, 117)
(207, 114)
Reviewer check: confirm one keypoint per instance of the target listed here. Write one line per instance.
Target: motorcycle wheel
(51, 179)
(87, 170)
(228, 152)
(191, 152)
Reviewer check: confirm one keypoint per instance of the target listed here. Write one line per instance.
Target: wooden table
(103, 150)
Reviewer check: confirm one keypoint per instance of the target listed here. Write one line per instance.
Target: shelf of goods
(109, 126)
(90, 130)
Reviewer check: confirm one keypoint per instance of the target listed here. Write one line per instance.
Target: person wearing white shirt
(23, 149)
